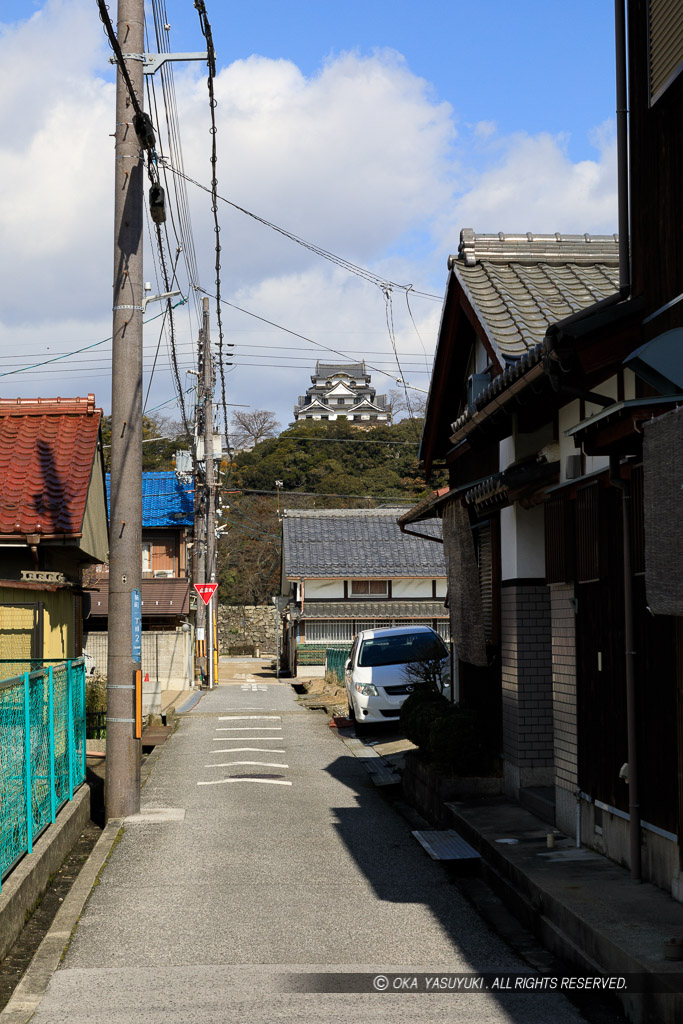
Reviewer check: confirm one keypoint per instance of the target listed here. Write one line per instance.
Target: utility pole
(125, 544)
(205, 492)
(209, 483)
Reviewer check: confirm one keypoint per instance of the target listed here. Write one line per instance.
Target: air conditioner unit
(163, 574)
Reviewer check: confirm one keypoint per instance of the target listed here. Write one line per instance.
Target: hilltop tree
(250, 428)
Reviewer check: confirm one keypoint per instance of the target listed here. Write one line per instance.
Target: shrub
(418, 714)
(95, 694)
(455, 744)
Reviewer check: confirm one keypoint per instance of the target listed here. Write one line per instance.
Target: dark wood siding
(601, 686)
(589, 550)
(656, 180)
(559, 540)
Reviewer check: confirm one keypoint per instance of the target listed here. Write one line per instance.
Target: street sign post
(206, 591)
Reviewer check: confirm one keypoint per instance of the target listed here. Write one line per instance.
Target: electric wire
(318, 344)
(206, 32)
(339, 261)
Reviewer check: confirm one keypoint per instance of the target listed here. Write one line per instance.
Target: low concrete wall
(427, 791)
(31, 877)
(243, 627)
(166, 658)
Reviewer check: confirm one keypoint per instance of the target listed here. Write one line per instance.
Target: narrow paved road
(276, 857)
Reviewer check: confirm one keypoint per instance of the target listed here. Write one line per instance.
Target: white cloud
(360, 158)
(532, 185)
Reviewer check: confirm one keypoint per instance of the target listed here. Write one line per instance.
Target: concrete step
(540, 800)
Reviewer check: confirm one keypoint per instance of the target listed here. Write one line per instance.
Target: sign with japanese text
(206, 591)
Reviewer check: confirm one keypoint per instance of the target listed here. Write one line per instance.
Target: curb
(29, 992)
(26, 884)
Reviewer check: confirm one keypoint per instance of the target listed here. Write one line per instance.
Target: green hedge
(450, 736)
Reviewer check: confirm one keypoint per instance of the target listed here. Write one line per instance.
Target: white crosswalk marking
(261, 764)
(250, 750)
(271, 782)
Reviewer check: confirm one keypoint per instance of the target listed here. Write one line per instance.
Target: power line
(334, 440)
(401, 498)
(206, 31)
(339, 261)
(303, 337)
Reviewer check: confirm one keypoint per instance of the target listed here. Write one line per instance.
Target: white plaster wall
(325, 590)
(441, 587)
(568, 417)
(481, 358)
(411, 588)
(522, 543)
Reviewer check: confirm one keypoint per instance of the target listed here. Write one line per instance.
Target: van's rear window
(400, 650)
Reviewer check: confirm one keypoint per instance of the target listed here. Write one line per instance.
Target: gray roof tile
(358, 543)
(521, 284)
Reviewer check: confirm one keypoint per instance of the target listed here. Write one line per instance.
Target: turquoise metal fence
(336, 660)
(42, 752)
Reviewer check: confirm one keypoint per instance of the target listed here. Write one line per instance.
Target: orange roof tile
(47, 447)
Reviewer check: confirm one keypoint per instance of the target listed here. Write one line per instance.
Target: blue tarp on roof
(166, 501)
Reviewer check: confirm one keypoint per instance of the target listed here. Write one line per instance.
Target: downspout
(622, 149)
(629, 656)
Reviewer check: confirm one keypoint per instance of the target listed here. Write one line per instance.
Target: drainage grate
(447, 845)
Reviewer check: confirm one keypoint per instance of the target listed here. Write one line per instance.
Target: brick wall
(564, 684)
(526, 675)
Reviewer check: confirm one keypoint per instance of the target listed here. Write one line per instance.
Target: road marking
(251, 750)
(243, 728)
(264, 739)
(267, 782)
(261, 764)
(237, 718)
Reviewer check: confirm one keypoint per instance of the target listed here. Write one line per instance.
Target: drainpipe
(622, 148)
(629, 656)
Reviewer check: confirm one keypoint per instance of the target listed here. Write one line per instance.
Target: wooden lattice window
(559, 541)
(588, 549)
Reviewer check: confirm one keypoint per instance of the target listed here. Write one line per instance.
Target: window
(369, 588)
(340, 401)
(401, 650)
(329, 631)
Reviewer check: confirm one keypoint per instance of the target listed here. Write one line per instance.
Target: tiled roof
(329, 369)
(166, 501)
(521, 284)
(359, 543)
(47, 449)
(375, 609)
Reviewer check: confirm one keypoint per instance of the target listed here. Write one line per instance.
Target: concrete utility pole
(125, 545)
(210, 486)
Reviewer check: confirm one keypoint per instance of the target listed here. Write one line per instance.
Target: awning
(159, 597)
(618, 429)
(375, 610)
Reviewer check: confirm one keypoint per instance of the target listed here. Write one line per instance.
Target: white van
(378, 679)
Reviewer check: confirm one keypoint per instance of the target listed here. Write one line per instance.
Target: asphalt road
(275, 863)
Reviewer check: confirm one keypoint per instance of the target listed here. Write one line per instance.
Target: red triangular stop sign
(206, 591)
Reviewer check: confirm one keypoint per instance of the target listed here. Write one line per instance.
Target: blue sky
(376, 130)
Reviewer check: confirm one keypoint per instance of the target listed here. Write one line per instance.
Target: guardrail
(42, 752)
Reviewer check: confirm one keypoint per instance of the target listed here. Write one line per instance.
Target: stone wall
(244, 628)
